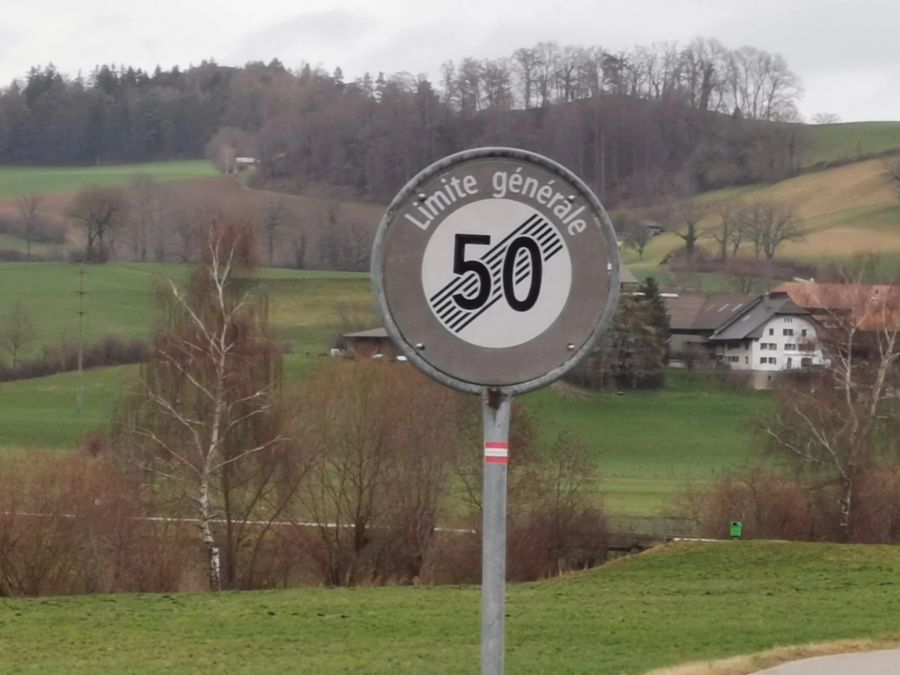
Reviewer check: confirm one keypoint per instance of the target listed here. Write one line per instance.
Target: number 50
(508, 277)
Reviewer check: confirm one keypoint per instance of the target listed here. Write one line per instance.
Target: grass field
(647, 445)
(683, 602)
(15, 180)
(305, 307)
(850, 141)
(42, 413)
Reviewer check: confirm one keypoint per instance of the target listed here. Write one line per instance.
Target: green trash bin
(737, 529)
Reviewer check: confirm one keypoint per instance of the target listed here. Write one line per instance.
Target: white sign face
(496, 273)
(495, 268)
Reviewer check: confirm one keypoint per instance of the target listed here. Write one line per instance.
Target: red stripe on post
(495, 452)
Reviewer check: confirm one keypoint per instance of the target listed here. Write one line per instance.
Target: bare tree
(637, 236)
(526, 63)
(99, 210)
(837, 423)
(343, 244)
(147, 216)
(825, 118)
(892, 168)
(207, 416)
(16, 332)
(274, 217)
(744, 274)
(730, 232)
(384, 439)
(28, 205)
(684, 222)
(771, 225)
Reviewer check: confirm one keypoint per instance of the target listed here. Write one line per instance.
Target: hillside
(845, 211)
(682, 602)
(316, 229)
(850, 141)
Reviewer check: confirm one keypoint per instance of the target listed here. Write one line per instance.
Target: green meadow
(15, 180)
(647, 445)
(681, 602)
(850, 141)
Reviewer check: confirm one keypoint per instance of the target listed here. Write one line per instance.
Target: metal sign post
(495, 270)
(496, 408)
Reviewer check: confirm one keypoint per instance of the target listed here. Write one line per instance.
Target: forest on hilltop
(662, 119)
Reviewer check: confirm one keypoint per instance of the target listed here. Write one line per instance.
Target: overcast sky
(846, 53)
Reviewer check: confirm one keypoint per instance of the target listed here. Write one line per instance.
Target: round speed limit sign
(495, 267)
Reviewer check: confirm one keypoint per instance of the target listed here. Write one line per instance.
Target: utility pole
(81, 293)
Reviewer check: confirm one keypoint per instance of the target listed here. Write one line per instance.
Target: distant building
(770, 335)
(367, 344)
(241, 163)
(628, 283)
(871, 307)
(694, 317)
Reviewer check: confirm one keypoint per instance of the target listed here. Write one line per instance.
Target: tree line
(634, 123)
(213, 473)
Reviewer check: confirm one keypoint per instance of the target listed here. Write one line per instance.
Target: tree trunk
(215, 560)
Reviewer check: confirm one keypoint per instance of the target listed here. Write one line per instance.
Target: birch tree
(207, 417)
(836, 424)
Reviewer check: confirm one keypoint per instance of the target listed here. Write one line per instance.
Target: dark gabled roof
(749, 323)
(626, 276)
(370, 334)
(704, 312)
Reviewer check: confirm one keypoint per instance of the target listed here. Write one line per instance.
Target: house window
(763, 345)
(763, 360)
(787, 331)
(772, 360)
(806, 362)
(790, 362)
(771, 331)
(788, 319)
(803, 332)
(789, 347)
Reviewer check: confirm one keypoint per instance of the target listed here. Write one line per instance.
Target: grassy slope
(680, 603)
(846, 211)
(15, 180)
(855, 140)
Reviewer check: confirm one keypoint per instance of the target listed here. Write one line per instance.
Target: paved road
(884, 662)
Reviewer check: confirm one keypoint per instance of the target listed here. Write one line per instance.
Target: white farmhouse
(770, 336)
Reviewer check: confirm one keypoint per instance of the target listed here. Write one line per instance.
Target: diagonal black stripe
(479, 313)
(496, 293)
(456, 319)
(494, 267)
(552, 252)
(520, 268)
(494, 250)
(543, 240)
